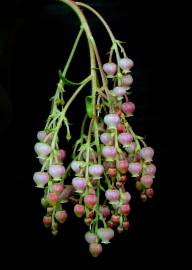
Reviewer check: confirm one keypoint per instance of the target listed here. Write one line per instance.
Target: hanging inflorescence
(106, 155)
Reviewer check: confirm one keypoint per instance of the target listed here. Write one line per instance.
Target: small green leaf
(89, 107)
(65, 81)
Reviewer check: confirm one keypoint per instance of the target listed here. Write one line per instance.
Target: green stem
(129, 128)
(84, 27)
(66, 171)
(90, 40)
(112, 37)
(103, 78)
(62, 116)
(83, 127)
(114, 41)
(72, 51)
(96, 133)
(88, 151)
(59, 89)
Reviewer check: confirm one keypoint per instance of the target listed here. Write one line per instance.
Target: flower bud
(95, 249)
(111, 120)
(147, 153)
(96, 170)
(79, 184)
(110, 68)
(41, 179)
(105, 234)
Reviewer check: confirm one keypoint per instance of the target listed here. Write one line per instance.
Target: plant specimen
(107, 154)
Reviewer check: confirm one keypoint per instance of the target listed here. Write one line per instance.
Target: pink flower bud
(110, 68)
(112, 172)
(109, 152)
(52, 198)
(115, 219)
(111, 120)
(42, 149)
(56, 171)
(79, 210)
(78, 167)
(126, 225)
(125, 197)
(107, 138)
(95, 249)
(128, 108)
(147, 180)
(151, 169)
(90, 200)
(127, 81)
(41, 135)
(79, 184)
(125, 139)
(149, 192)
(122, 166)
(147, 153)
(130, 148)
(90, 237)
(96, 170)
(105, 211)
(61, 216)
(41, 179)
(125, 63)
(112, 195)
(105, 234)
(135, 168)
(125, 209)
(61, 154)
(88, 221)
(119, 91)
(47, 221)
(120, 128)
(57, 188)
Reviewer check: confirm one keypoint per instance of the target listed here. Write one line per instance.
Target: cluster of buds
(50, 178)
(107, 155)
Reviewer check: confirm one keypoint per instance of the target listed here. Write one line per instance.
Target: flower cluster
(107, 155)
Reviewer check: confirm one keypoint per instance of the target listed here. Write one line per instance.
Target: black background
(35, 40)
